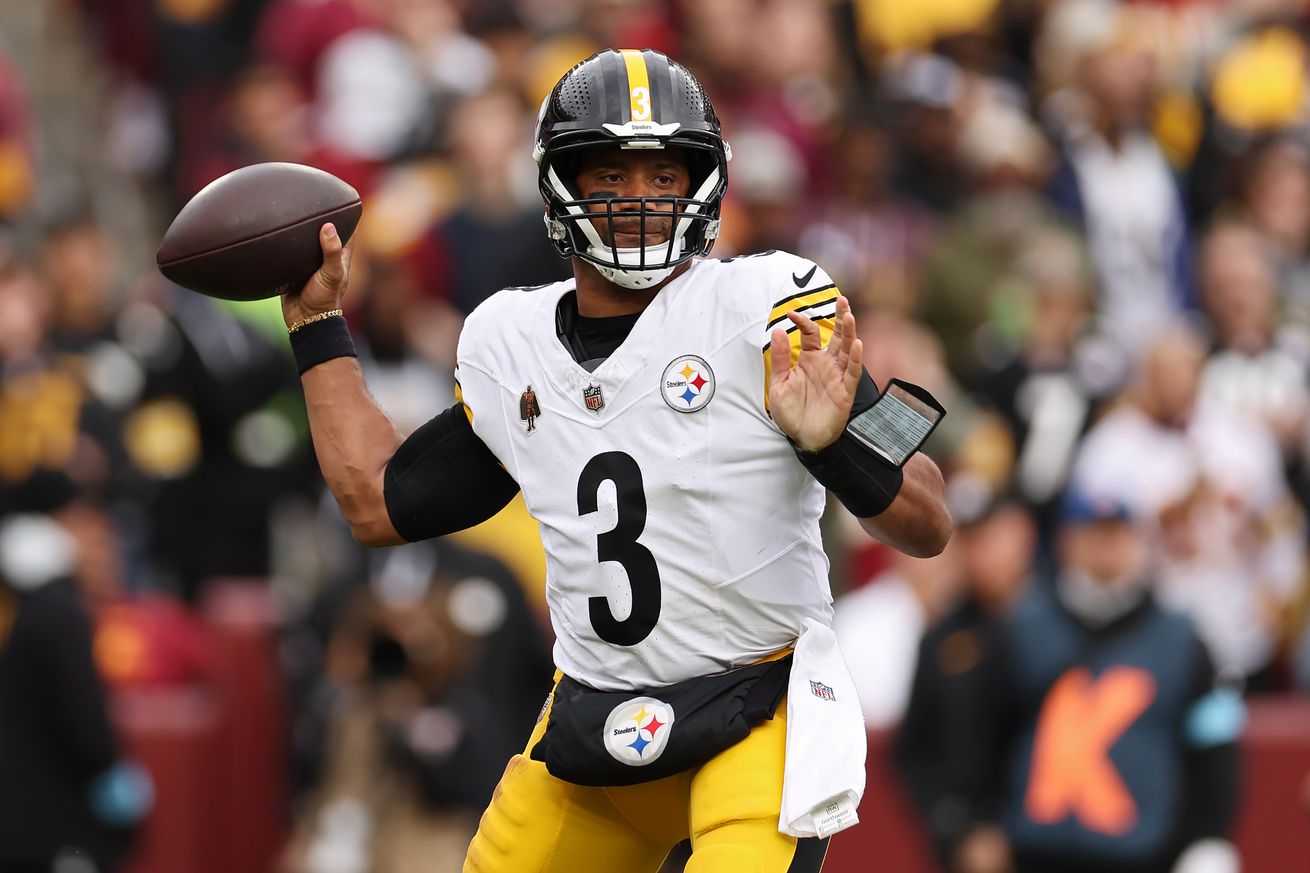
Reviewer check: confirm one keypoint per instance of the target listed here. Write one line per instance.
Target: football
(254, 233)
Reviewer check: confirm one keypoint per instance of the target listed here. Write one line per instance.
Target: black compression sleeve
(863, 484)
(866, 394)
(443, 479)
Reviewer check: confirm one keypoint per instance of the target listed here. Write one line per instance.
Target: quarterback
(672, 421)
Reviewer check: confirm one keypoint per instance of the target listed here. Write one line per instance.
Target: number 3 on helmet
(636, 100)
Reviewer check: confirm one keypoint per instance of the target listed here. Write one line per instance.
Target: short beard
(1099, 603)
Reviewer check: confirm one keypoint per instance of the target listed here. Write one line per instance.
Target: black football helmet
(637, 100)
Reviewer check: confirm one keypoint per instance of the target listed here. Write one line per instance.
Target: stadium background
(302, 705)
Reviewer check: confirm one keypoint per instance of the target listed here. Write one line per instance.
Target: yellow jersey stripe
(804, 299)
(826, 326)
(459, 395)
(638, 84)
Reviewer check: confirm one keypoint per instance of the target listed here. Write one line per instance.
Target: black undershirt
(590, 340)
(443, 478)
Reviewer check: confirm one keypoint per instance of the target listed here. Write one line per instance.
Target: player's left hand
(811, 401)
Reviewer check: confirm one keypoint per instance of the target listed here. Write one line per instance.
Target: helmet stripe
(639, 95)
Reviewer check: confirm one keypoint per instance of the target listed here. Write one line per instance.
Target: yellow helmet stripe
(638, 84)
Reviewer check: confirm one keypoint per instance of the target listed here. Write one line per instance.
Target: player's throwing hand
(326, 288)
(811, 400)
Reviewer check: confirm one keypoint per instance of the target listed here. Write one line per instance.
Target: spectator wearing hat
(1214, 483)
(1116, 749)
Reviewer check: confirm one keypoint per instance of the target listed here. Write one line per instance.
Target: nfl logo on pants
(592, 397)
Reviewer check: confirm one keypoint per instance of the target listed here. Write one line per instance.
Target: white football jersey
(681, 533)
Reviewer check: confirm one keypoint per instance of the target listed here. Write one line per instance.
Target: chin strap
(634, 280)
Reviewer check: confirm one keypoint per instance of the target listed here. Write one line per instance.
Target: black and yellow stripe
(640, 85)
(813, 298)
(459, 395)
(640, 105)
(818, 304)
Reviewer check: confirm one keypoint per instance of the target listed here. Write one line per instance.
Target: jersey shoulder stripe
(818, 302)
(459, 395)
(803, 302)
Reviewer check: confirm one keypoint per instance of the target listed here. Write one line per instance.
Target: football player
(672, 421)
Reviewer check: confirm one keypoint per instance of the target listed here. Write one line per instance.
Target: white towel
(826, 744)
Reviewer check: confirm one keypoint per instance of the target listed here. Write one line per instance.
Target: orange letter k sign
(1072, 772)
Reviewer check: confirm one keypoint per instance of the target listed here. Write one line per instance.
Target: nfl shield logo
(592, 397)
(821, 691)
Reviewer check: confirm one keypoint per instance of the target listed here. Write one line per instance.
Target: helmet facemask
(692, 221)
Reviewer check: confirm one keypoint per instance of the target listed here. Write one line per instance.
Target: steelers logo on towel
(687, 383)
(637, 730)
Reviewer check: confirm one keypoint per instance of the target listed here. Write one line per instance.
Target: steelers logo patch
(687, 383)
(637, 730)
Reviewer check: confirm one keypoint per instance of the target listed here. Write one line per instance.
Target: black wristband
(321, 341)
(861, 482)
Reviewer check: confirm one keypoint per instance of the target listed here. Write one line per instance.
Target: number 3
(640, 104)
(620, 545)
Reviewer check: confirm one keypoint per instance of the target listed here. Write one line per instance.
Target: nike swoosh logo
(802, 281)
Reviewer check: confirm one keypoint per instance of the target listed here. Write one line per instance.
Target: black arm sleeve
(866, 394)
(443, 479)
(863, 484)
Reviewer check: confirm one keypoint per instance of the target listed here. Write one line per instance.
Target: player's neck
(600, 298)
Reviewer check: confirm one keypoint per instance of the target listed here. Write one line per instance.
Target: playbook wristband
(864, 486)
(864, 467)
(314, 342)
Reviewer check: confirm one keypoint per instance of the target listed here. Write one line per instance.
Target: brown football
(254, 233)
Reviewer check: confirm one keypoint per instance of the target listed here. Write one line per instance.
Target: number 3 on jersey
(620, 545)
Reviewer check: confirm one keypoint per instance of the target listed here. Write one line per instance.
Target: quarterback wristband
(863, 468)
(318, 341)
(863, 484)
(898, 423)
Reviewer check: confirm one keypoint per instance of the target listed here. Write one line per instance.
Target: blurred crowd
(1082, 224)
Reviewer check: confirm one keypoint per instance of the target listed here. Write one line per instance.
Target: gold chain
(313, 318)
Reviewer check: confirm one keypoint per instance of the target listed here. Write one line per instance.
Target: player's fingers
(843, 331)
(854, 366)
(333, 272)
(848, 336)
(810, 339)
(835, 342)
(779, 353)
(329, 241)
(347, 254)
